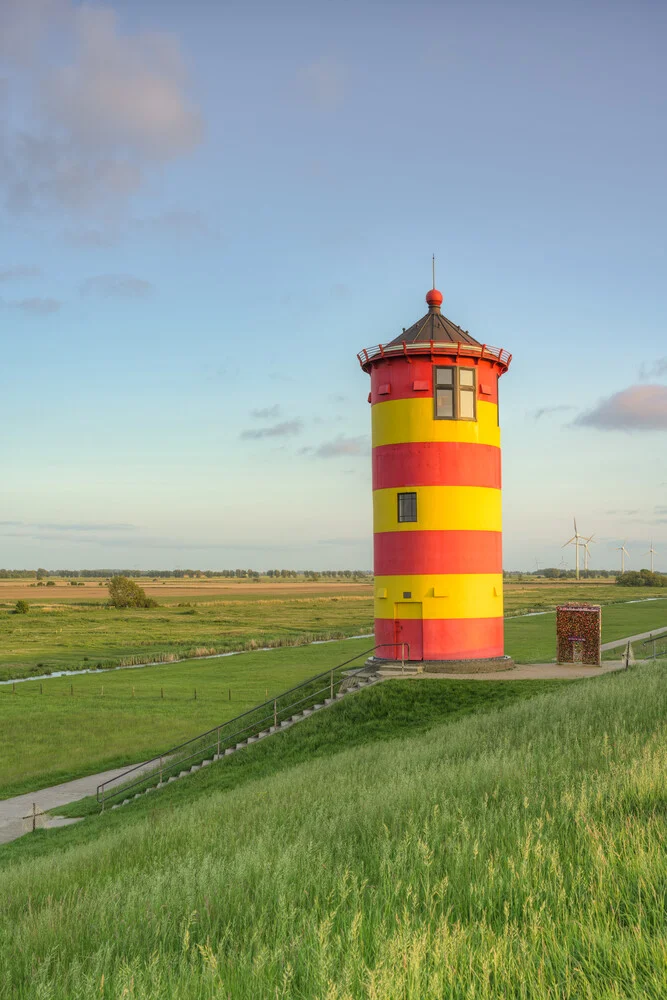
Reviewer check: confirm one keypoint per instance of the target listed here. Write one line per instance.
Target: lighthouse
(437, 496)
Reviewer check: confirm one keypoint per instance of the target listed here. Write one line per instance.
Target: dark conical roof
(434, 327)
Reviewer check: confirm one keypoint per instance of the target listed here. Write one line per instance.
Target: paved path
(528, 672)
(12, 811)
(660, 632)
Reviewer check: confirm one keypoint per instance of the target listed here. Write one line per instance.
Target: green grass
(533, 640)
(395, 708)
(58, 634)
(63, 636)
(515, 853)
(55, 736)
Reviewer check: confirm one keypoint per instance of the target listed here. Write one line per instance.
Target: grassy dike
(518, 852)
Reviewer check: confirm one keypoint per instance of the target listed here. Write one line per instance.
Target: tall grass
(519, 853)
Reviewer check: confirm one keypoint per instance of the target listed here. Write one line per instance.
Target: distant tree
(41, 573)
(126, 593)
(21, 608)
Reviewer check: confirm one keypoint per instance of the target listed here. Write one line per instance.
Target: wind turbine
(624, 552)
(578, 540)
(651, 553)
(587, 542)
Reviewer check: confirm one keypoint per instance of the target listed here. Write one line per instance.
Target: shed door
(408, 629)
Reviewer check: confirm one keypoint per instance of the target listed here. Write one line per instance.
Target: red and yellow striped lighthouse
(437, 494)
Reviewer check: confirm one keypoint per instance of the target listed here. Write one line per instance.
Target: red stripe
(436, 463)
(441, 638)
(406, 553)
(401, 375)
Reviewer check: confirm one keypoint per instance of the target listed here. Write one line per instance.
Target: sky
(206, 211)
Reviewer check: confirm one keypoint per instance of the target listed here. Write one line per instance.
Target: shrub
(50, 583)
(21, 608)
(125, 593)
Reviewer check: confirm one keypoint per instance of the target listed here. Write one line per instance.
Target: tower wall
(438, 580)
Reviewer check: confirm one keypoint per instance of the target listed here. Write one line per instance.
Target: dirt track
(15, 590)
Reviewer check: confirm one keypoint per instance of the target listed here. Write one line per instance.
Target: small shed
(579, 633)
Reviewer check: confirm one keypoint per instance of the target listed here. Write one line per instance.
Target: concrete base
(483, 666)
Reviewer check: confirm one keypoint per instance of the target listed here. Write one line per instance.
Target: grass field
(53, 736)
(515, 853)
(63, 632)
(121, 717)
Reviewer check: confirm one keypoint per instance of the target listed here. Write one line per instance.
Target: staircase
(259, 723)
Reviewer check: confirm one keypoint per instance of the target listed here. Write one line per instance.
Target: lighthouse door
(408, 629)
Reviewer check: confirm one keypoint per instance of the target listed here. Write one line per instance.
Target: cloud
(356, 446)
(266, 413)
(638, 408)
(44, 530)
(654, 370)
(37, 306)
(18, 271)
(545, 410)
(180, 224)
(323, 83)
(627, 513)
(287, 429)
(117, 286)
(97, 107)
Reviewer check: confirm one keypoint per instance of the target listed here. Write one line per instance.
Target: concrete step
(151, 789)
(240, 746)
(339, 695)
(286, 724)
(116, 806)
(125, 802)
(183, 774)
(173, 778)
(205, 763)
(229, 750)
(195, 767)
(316, 708)
(252, 739)
(328, 701)
(265, 733)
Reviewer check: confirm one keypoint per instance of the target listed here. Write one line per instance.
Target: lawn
(515, 853)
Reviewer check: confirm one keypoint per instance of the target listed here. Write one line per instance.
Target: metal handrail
(274, 707)
(461, 349)
(653, 639)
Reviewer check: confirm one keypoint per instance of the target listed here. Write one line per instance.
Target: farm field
(68, 633)
(516, 852)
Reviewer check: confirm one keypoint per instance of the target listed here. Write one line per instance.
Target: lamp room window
(407, 506)
(455, 393)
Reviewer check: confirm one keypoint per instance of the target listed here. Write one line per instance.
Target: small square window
(407, 506)
(407, 595)
(466, 376)
(444, 376)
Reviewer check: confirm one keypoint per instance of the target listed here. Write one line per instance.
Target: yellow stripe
(401, 420)
(461, 595)
(441, 508)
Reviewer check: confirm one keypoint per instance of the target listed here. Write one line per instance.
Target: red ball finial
(434, 298)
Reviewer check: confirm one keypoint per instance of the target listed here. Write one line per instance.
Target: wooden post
(40, 688)
(230, 694)
(332, 686)
(275, 714)
(13, 688)
(162, 692)
(71, 689)
(218, 741)
(160, 770)
(195, 694)
(133, 691)
(34, 817)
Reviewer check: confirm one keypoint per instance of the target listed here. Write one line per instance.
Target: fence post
(275, 714)
(402, 657)
(218, 741)
(653, 647)
(34, 817)
(332, 686)
(160, 769)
